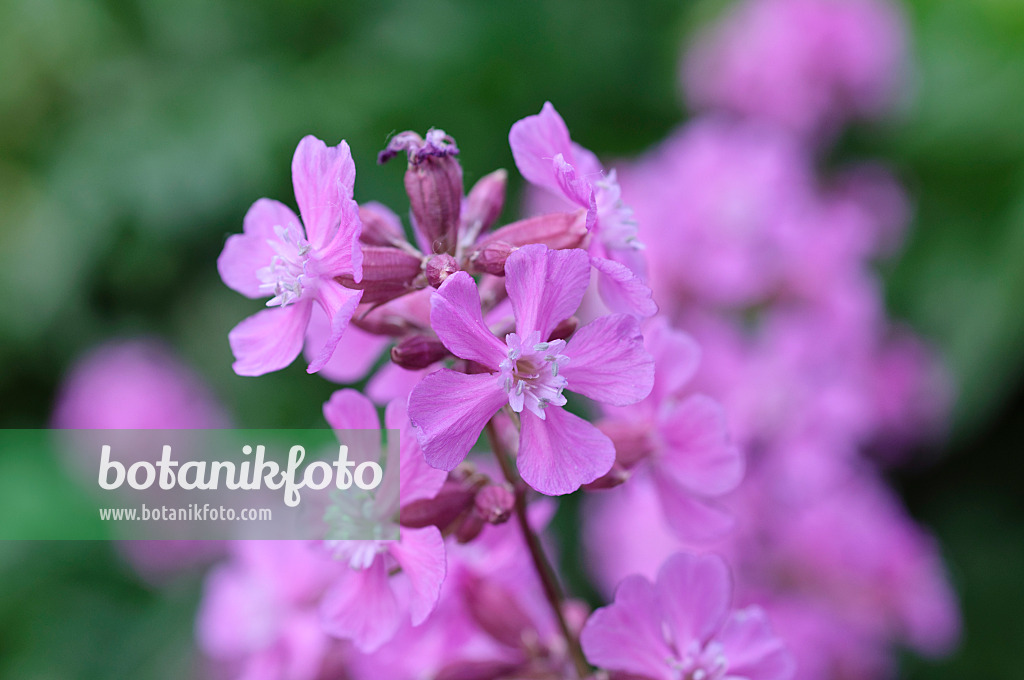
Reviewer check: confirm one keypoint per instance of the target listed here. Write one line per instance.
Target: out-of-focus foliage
(134, 135)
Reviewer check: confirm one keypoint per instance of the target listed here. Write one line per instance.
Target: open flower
(297, 262)
(605, 361)
(384, 582)
(681, 626)
(548, 158)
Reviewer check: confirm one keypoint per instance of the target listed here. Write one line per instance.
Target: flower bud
(453, 500)
(555, 230)
(632, 441)
(616, 476)
(433, 181)
(469, 527)
(494, 503)
(381, 227)
(483, 204)
(439, 268)
(490, 259)
(418, 351)
(497, 612)
(564, 329)
(387, 274)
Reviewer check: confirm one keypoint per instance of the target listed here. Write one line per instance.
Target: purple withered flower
(681, 626)
(297, 262)
(382, 583)
(548, 158)
(604, 360)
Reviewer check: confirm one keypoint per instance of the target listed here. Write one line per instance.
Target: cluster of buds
(467, 501)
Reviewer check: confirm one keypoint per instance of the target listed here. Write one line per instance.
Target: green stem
(549, 580)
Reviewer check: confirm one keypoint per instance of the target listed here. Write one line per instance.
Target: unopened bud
(483, 204)
(418, 351)
(433, 182)
(387, 274)
(490, 259)
(555, 230)
(632, 440)
(564, 329)
(616, 476)
(497, 611)
(439, 268)
(469, 527)
(494, 503)
(381, 227)
(453, 500)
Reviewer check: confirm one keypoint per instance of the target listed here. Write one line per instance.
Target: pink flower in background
(381, 583)
(548, 158)
(135, 385)
(140, 385)
(678, 439)
(808, 65)
(605, 361)
(296, 262)
(721, 207)
(258, 618)
(682, 626)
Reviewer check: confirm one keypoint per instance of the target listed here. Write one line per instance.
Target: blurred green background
(134, 136)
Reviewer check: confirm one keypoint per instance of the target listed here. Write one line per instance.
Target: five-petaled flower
(604, 360)
(296, 262)
(681, 628)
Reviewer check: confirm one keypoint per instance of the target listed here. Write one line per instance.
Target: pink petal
(676, 358)
(698, 453)
(449, 411)
(456, 318)
(694, 591)
(608, 362)
(694, 519)
(545, 286)
(562, 452)
(575, 188)
(418, 480)
(339, 303)
(246, 253)
(361, 607)
(752, 649)
(269, 340)
(323, 177)
(535, 141)
(353, 357)
(421, 554)
(622, 290)
(394, 382)
(350, 410)
(626, 636)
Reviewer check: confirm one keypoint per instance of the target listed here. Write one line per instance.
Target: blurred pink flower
(807, 65)
(682, 625)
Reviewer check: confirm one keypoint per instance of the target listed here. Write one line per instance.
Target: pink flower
(682, 626)
(605, 361)
(679, 439)
(297, 262)
(384, 582)
(548, 158)
(258, 617)
(808, 65)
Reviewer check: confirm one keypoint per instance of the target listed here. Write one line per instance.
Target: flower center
(287, 272)
(530, 373)
(700, 663)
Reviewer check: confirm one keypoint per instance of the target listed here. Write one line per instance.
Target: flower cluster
(695, 343)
